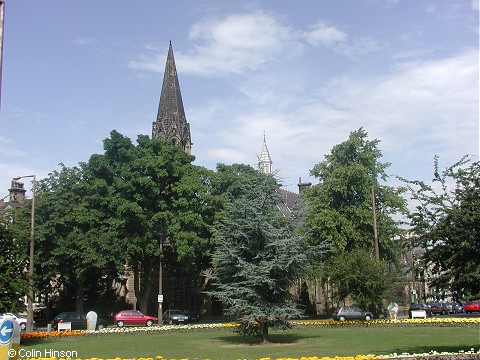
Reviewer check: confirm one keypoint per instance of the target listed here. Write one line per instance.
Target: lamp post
(160, 290)
(30, 269)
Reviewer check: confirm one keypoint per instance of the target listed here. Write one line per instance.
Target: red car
(133, 317)
(472, 306)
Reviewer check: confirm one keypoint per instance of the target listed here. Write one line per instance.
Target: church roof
(288, 201)
(171, 97)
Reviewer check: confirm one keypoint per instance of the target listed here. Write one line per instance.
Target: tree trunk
(265, 332)
(79, 295)
(144, 282)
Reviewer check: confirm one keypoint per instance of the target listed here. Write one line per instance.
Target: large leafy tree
(358, 276)
(256, 259)
(74, 236)
(156, 197)
(446, 222)
(339, 209)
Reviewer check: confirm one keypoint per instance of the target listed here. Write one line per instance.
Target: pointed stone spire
(264, 160)
(171, 123)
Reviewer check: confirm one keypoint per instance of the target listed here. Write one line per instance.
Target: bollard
(91, 320)
(9, 339)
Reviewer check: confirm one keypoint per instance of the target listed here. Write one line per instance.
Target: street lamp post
(30, 269)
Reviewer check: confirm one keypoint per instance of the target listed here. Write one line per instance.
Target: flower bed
(399, 322)
(461, 355)
(25, 337)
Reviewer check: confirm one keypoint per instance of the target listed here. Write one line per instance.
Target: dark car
(192, 315)
(78, 321)
(448, 308)
(175, 317)
(421, 306)
(133, 317)
(351, 313)
(436, 308)
(458, 307)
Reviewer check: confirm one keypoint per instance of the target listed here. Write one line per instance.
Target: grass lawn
(301, 341)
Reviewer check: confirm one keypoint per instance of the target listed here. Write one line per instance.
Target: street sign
(160, 298)
(9, 339)
(6, 331)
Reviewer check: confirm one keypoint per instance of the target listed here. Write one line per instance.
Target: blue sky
(305, 73)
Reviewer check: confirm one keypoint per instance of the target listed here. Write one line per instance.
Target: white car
(20, 320)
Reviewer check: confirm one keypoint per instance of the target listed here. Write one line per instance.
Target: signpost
(9, 339)
(160, 312)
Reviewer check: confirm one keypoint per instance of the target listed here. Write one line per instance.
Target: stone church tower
(171, 123)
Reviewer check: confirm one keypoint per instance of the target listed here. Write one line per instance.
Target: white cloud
(360, 46)
(6, 148)
(434, 103)
(326, 35)
(238, 43)
(416, 111)
(233, 44)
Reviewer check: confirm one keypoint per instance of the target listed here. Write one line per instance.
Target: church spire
(264, 160)
(171, 123)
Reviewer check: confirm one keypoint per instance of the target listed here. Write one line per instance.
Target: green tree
(156, 197)
(446, 222)
(339, 209)
(13, 262)
(73, 235)
(358, 276)
(256, 259)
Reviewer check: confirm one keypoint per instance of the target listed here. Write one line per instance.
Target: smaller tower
(264, 160)
(17, 192)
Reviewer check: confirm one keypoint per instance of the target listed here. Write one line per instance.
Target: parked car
(78, 321)
(133, 317)
(472, 306)
(448, 308)
(351, 313)
(40, 316)
(458, 307)
(192, 315)
(436, 308)
(421, 306)
(22, 321)
(175, 317)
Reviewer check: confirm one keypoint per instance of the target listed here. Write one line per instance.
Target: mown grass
(299, 342)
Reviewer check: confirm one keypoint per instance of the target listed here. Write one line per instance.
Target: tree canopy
(446, 223)
(115, 211)
(339, 208)
(13, 280)
(256, 259)
(156, 197)
(73, 235)
(339, 213)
